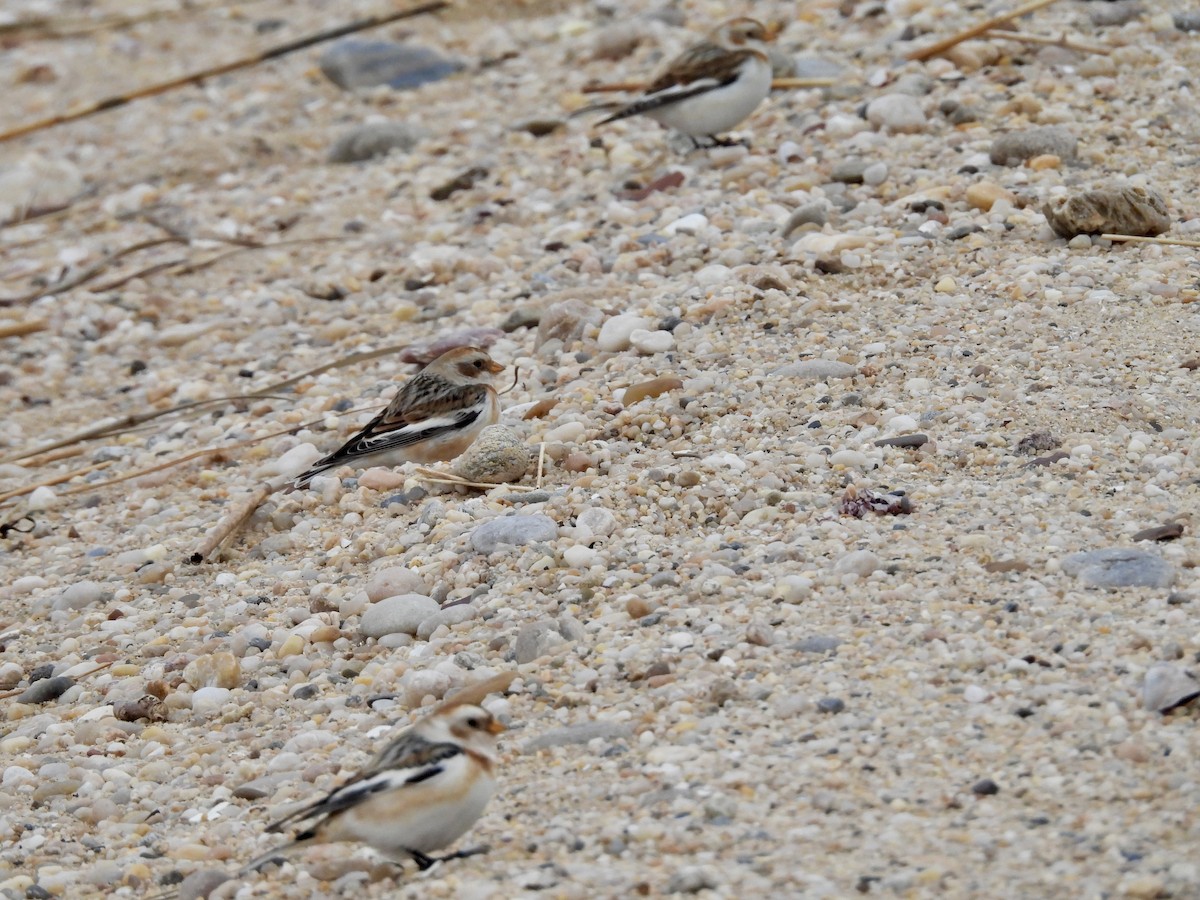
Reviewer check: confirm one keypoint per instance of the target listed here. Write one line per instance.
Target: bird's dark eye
(479, 363)
(472, 722)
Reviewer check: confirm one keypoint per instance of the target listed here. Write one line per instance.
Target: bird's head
(742, 32)
(470, 726)
(465, 365)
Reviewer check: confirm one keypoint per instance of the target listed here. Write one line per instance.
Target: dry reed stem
(976, 30)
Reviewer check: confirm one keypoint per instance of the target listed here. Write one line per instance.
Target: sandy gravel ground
(728, 687)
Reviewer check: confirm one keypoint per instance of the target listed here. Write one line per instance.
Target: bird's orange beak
(494, 727)
(494, 367)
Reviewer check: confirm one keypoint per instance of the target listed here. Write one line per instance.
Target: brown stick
(53, 479)
(1062, 40)
(232, 521)
(222, 69)
(778, 84)
(1133, 238)
(17, 329)
(976, 30)
(84, 275)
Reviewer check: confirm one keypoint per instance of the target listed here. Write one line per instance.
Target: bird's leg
(728, 142)
(424, 862)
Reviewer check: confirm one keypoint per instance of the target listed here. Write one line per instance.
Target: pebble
(41, 498)
(1014, 148)
(214, 670)
(199, 885)
(817, 644)
(973, 693)
(816, 214)
(294, 461)
(582, 733)
(817, 370)
(831, 705)
(498, 456)
(566, 322)
(353, 64)
(209, 701)
(1118, 210)
(692, 223)
(985, 787)
(858, 562)
(537, 639)
(875, 174)
(27, 584)
(899, 113)
(1167, 686)
(513, 531)
(794, 588)
(651, 341)
(653, 388)
(849, 171)
(617, 332)
(80, 595)
(45, 690)
(691, 880)
(984, 194)
(1116, 567)
(402, 614)
(392, 582)
(450, 616)
(374, 139)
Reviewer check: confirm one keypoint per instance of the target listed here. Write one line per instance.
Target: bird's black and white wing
(698, 70)
(410, 759)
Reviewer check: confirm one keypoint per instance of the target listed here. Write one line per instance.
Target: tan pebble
(1144, 886)
(655, 681)
(540, 409)
(138, 873)
(577, 462)
(687, 479)
(637, 607)
(292, 646)
(652, 388)
(222, 670)
(1132, 751)
(380, 479)
(326, 634)
(983, 195)
(125, 670)
(193, 852)
(1044, 161)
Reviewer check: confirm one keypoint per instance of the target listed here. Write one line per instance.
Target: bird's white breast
(722, 108)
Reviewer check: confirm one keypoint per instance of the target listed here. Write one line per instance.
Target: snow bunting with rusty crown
(711, 86)
(437, 415)
(421, 793)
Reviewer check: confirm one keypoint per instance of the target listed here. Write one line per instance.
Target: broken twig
(976, 30)
(1140, 239)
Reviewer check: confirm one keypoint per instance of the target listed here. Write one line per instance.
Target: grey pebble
(1167, 686)
(831, 705)
(582, 733)
(1115, 567)
(79, 595)
(849, 170)
(450, 616)
(200, 884)
(397, 615)
(817, 643)
(45, 690)
(691, 880)
(817, 369)
(365, 142)
(352, 64)
(1117, 13)
(1016, 147)
(498, 456)
(513, 531)
(903, 440)
(538, 639)
(808, 214)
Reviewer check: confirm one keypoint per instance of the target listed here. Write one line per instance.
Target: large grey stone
(1115, 567)
(514, 531)
(397, 615)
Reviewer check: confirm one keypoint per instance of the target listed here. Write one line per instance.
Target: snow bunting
(711, 86)
(436, 415)
(422, 792)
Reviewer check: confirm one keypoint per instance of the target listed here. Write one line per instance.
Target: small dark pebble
(539, 127)
(831, 705)
(45, 690)
(260, 644)
(985, 787)
(815, 423)
(407, 498)
(1024, 712)
(137, 366)
(462, 182)
(1166, 532)
(37, 673)
(305, 692)
(670, 323)
(958, 232)
(1187, 21)
(903, 440)
(521, 317)
(249, 792)
(1038, 442)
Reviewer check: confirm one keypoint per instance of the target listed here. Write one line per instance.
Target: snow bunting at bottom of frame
(711, 86)
(421, 793)
(437, 415)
